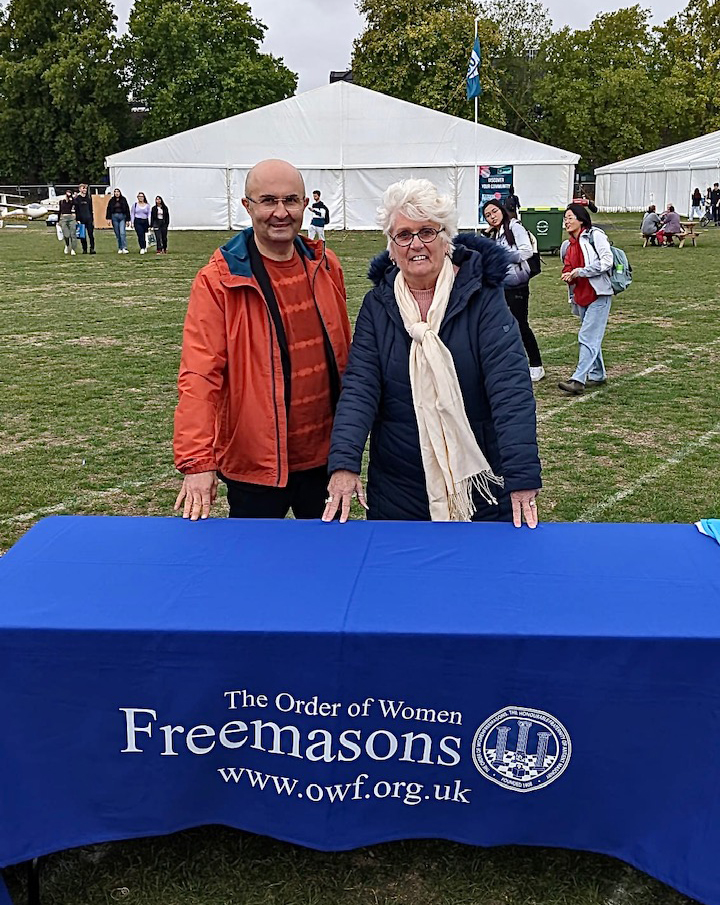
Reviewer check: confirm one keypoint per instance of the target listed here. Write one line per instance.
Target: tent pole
(476, 178)
(344, 197)
(228, 195)
(343, 133)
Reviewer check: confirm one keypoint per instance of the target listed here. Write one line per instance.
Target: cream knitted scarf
(453, 462)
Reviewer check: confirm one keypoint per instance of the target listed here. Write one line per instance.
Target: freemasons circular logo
(522, 749)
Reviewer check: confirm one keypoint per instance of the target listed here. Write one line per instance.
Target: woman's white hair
(417, 199)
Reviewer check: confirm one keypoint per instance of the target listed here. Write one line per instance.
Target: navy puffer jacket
(492, 369)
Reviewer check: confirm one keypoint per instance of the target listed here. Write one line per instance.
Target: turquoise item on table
(709, 526)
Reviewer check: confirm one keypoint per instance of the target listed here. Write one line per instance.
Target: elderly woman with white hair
(437, 376)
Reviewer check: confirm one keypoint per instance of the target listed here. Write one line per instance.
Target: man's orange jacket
(231, 414)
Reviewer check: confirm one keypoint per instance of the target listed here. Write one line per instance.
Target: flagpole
(476, 204)
(476, 97)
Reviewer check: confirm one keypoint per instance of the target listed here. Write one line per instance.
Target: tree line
(72, 91)
(614, 90)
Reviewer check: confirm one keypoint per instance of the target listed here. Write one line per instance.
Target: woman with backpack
(587, 261)
(514, 238)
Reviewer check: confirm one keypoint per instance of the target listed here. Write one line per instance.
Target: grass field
(88, 358)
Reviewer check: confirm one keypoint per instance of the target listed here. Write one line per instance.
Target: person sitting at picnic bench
(671, 225)
(650, 225)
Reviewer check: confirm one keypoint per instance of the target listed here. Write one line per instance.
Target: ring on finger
(533, 503)
(328, 498)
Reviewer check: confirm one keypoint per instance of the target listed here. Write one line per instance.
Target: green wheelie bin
(546, 223)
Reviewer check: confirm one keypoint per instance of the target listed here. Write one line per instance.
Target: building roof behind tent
(703, 151)
(342, 125)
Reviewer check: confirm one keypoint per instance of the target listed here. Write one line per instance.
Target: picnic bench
(689, 234)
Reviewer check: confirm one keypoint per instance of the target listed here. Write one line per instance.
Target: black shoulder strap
(261, 275)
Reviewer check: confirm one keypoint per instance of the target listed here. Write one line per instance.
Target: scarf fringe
(460, 503)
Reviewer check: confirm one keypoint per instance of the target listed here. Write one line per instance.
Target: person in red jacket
(265, 344)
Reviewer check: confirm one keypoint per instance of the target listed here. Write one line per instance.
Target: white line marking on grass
(693, 306)
(576, 400)
(80, 499)
(568, 345)
(649, 476)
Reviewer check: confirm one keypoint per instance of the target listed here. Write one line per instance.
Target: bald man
(265, 345)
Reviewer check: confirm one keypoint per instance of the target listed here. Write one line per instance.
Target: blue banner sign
(493, 184)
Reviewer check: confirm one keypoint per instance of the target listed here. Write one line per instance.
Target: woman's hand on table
(343, 486)
(524, 506)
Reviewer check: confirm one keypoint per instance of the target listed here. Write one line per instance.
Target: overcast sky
(315, 36)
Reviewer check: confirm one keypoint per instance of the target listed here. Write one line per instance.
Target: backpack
(534, 262)
(621, 270)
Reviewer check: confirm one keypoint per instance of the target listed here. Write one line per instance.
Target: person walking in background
(67, 223)
(84, 215)
(587, 261)
(715, 202)
(583, 199)
(118, 213)
(159, 222)
(512, 204)
(320, 217)
(697, 208)
(140, 219)
(514, 238)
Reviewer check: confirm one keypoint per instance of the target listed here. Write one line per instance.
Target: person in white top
(513, 237)
(140, 218)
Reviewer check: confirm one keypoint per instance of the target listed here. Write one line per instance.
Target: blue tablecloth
(337, 686)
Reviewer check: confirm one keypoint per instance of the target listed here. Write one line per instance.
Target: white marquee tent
(668, 175)
(349, 142)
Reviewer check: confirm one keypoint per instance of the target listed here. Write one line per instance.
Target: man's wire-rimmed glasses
(270, 202)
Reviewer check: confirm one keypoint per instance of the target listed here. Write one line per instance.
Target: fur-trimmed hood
(489, 260)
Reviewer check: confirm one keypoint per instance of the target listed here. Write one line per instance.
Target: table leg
(33, 882)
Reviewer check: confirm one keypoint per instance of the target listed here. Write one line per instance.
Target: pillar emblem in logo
(521, 749)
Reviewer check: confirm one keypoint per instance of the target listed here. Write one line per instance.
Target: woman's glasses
(426, 235)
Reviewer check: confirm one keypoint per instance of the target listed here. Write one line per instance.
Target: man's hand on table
(199, 492)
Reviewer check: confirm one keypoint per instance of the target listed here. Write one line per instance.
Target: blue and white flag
(473, 74)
